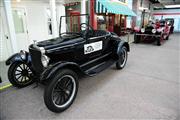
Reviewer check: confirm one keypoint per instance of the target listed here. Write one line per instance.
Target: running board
(100, 67)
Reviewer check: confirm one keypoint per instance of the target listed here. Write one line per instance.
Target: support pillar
(83, 10)
(53, 18)
(93, 17)
(10, 22)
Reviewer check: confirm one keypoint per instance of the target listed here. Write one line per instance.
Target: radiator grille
(36, 59)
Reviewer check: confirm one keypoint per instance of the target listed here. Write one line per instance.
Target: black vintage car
(59, 62)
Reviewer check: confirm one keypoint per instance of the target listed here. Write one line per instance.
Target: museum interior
(90, 59)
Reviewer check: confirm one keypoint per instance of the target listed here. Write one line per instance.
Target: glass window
(18, 21)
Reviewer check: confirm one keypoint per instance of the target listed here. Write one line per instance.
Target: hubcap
(64, 91)
(22, 74)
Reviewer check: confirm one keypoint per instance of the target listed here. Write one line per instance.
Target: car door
(94, 47)
(79, 56)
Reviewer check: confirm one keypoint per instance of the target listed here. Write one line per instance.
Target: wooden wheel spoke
(60, 101)
(66, 96)
(57, 101)
(63, 98)
(24, 66)
(19, 70)
(18, 74)
(67, 83)
(18, 77)
(21, 79)
(20, 67)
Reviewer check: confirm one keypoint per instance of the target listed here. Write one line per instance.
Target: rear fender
(17, 57)
(53, 69)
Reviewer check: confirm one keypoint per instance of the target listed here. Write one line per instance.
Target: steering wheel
(87, 28)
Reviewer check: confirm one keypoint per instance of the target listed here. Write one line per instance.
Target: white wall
(37, 19)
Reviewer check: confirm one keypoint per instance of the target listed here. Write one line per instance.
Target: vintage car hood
(57, 42)
(49, 42)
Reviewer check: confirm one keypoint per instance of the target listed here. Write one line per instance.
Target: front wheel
(61, 91)
(120, 64)
(20, 74)
(160, 40)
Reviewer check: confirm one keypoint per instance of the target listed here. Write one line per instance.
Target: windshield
(72, 24)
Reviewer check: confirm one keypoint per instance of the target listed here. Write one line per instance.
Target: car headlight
(23, 54)
(42, 50)
(153, 30)
(45, 60)
(142, 30)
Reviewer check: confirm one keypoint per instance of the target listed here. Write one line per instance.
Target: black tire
(167, 38)
(20, 74)
(136, 38)
(159, 42)
(120, 64)
(64, 96)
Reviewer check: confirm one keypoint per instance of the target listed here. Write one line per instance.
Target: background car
(157, 32)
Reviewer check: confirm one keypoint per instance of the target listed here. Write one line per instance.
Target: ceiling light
(172, 6)
(18, 0)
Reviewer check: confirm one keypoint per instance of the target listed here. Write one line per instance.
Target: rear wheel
(120, 64)
(20, 74)
(61, 91)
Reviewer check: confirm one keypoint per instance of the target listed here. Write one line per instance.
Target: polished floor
(147, 88)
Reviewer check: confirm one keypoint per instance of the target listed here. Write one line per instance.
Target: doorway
(111, 23)
(74, 21)
(20, 24)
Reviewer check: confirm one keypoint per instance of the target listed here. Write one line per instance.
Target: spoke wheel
(123, 58)
(61, 91)
(64, 91)
(20, 74)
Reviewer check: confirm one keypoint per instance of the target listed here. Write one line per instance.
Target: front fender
(17, 57)
(123, 43)
(53, 69)
(120, 44)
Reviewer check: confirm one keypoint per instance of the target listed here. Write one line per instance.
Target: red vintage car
(158, 32)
